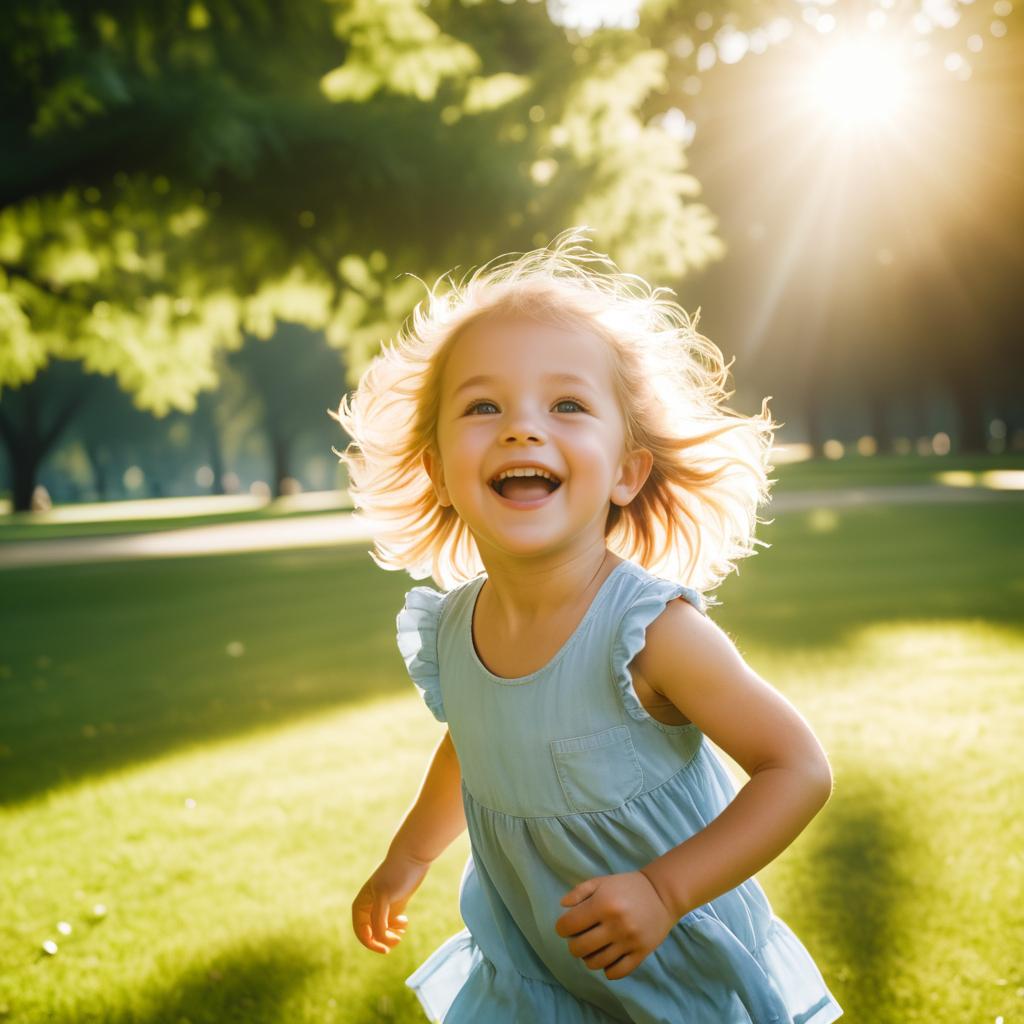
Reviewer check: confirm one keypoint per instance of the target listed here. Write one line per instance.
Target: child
(562, 428)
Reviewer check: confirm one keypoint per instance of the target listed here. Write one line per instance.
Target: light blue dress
(565, 776)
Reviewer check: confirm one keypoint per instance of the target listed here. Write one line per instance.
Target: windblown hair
(696, 514)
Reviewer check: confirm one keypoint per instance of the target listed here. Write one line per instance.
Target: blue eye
(561, 401)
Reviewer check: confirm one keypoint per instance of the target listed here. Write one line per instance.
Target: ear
(434, 469)
(636, 468)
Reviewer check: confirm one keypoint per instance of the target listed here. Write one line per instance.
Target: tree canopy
(187, 173)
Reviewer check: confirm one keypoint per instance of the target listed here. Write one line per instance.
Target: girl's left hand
(615, 921)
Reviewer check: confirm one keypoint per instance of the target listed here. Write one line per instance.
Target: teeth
(526, 471)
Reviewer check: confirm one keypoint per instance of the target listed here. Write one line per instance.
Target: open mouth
(524, 492)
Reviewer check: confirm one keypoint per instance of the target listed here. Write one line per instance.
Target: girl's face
(518, 392)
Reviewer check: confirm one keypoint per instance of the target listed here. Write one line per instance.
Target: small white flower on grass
(50, 947)
(190, 803)
(236, 649)
(99, 910)
(63, 927)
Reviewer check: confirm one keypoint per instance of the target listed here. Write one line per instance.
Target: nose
(522, 435)
(522, 427)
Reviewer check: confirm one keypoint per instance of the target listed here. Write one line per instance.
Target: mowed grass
(813, 474)
(29, 526)
(218, 751)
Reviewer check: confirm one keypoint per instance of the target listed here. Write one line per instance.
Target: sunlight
(992, 479)
(860, 84)
(188, 506)
(586, 16)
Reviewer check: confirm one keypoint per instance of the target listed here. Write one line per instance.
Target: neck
(518, 597)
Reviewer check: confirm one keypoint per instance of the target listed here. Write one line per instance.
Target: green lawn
(217, 750)
(18, 526)
(813, 475)
(883, 470)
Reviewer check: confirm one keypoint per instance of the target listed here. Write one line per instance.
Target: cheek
(593, 447)
(465, 450)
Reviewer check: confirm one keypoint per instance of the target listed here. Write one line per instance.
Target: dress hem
(439, 980)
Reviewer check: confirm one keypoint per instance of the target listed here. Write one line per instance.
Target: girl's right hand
(377, 917)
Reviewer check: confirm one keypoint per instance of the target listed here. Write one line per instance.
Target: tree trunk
(99, 459)
(280, 446)
(216, 452)
(24, 464)
(813, 381)
(971, 414)
(877, 408)
(25, 436)
(812, 417)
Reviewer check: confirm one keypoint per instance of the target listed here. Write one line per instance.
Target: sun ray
(795, 241)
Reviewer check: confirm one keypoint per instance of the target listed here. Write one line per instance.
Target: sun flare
(860, 84)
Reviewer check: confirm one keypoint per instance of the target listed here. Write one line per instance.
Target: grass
(218, 750)
(886, 470)
(818, 474)
(22, 526)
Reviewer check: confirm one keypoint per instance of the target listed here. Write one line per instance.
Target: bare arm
(690, 660)
(436, 817)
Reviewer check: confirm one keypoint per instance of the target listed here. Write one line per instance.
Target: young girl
(548, 441)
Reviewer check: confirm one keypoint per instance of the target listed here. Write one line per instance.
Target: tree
(297, 377)
(186, 174)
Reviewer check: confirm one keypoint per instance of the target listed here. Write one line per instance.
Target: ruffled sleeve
(630, 639)
(417, 641)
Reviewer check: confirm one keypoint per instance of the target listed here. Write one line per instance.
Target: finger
(590, 941)
(579, 893)
(365, 935)
(603, 958)
(379, 919)
(363, 928)
(577, 920)
(395, 929)
(623, 966)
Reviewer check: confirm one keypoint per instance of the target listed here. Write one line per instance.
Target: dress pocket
(599, 771)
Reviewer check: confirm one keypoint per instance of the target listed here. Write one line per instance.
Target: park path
(330, 530)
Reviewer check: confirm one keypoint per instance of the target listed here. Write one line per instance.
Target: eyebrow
(566, 378)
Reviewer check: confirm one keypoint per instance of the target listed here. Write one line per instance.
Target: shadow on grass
(248, 986)
(832, 572)
(858, 888)
(104, 666)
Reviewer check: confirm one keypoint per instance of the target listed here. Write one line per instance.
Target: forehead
(521, 351)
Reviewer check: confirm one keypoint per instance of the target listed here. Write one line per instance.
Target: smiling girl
(549, 442)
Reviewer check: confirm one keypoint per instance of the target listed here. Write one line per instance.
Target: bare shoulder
(681, 631)
(690, 659)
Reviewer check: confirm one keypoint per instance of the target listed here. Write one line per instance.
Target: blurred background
(211, 215)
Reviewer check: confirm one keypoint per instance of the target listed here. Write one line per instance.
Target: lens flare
(860, 83)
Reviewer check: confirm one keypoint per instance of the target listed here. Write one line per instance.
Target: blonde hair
(695, 515)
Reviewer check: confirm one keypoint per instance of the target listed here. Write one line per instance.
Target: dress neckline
(557, 656)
